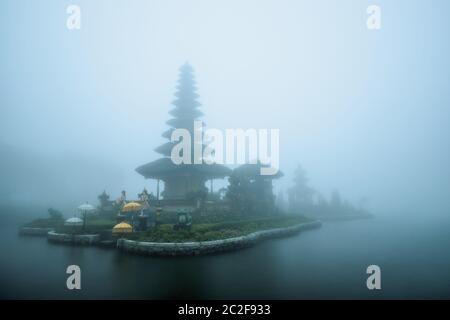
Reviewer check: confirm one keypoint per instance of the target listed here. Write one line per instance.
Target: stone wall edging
(83, 239)
(209, 247)
(31, 231)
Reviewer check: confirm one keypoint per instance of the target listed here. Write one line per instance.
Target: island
(188, 218)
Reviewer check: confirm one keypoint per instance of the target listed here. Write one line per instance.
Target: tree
(104, 199)
(300, 194)
(249, 192)
(55, 214)
(336, 201)
(238, 194)
(280, 201)
(322, 202)
(263, 197)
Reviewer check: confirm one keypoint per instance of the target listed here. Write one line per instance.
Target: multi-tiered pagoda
(183, 181)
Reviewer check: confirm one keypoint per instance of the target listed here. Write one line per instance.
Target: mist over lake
(90, 96)
(328, 263)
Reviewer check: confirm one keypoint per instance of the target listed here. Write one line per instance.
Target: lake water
(329, 262)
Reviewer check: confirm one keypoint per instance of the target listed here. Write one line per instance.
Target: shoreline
(31, 231)
(210, 247)
(332, 218)
(76, 239)
(173, 249)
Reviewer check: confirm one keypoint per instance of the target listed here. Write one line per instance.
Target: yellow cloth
(132, 206)
(122, 227)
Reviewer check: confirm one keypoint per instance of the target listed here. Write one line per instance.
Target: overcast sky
(363, 111)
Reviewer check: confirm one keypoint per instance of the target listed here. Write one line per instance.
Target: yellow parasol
(121, 228)
(131, 207)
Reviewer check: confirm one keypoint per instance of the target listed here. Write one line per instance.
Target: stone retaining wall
(29, 231)
(208, 247)
(83, 239)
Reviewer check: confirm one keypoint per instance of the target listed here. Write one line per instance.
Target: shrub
(216, 231)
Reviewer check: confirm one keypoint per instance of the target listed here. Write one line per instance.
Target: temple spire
(182, 181)
(185, 110)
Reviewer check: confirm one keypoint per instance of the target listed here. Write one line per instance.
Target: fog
(366, 112)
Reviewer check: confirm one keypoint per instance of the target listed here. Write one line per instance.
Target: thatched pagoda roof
(164, 168)
(254, 170)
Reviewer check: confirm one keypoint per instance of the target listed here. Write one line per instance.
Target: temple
(184, 182)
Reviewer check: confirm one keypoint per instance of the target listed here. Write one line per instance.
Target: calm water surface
(329, 262)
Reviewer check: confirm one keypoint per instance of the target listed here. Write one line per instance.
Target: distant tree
(239, 194)
(251, 193)
(300, 194)
(322, 202)
(198, 195)
(104, 199)
(55, 214)
(280, 201)
(362, 203)
(348, 207)
(336, 200)
(261, 190)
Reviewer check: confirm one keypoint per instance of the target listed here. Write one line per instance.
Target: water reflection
(326, 263)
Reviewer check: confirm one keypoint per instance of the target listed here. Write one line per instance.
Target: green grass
(101, 222)
(95, 224)
(217, 231)
(44, 223)
(202, 229)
